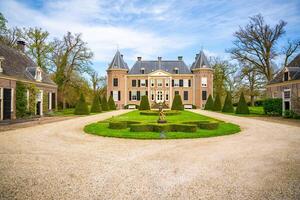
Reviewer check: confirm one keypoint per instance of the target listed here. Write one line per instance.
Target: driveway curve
(59, 161)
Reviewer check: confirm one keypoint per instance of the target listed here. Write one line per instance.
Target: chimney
(139, 58)
(180, 58)
(21, 45)
(122, 55)
(197, 55)
(159, 58)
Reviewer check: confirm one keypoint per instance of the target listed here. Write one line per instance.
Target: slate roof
(17, 65)
(118, 62)
(294, 71)
(200, 61)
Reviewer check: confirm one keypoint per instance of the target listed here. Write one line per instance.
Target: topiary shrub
(177, 103)
(144, 105)
(104, 104)
(209, 103)
(184, 127)
(217, 104)
(117, 124)
(228, 107)
(162, 127)
(21, 100)
(111, 103)
(242, 107)
(96, 107)
(81, 107)
(209, 126)
(273, 106)
(141, 128)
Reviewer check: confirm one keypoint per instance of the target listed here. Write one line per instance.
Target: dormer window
(142, 70)
(286, 76)
(38, 74)
(176, 70)
(1, 61)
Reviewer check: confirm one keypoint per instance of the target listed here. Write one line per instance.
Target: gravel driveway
(59, 161)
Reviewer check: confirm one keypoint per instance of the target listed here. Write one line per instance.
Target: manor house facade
(160, 80)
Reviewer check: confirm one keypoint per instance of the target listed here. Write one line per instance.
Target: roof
(17, 65)
(165, 65)
(118, 62)
(200, 61)
(293, 68)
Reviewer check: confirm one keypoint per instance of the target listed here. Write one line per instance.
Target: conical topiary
(228, 107)
(104, 104)
(209, 103)
(242, 107)
(111, 103)
(144, 105)
(217, 104)
(177, 103)
(81, 107)
(96, 106)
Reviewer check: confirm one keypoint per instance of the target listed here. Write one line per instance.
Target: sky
(166, 28)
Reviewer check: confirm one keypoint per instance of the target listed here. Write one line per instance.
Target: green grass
(254, 112)
(103, 130)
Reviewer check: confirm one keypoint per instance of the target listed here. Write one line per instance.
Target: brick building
(16, 66)
(160, 80)
(286, 85)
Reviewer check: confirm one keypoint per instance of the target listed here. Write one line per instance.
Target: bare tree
(290, 49)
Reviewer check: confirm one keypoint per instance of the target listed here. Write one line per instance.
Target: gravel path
(59, 161)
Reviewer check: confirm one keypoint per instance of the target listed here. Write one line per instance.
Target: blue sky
(149, 29)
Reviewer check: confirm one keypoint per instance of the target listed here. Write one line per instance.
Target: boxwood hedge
(117, 125)
(155, 112)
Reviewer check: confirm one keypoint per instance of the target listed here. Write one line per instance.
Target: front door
(6, 103)
(286, 105)
(38, 108)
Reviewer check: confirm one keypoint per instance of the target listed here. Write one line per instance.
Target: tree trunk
(252, 100)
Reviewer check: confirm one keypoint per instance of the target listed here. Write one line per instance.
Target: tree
(228, 107)
(291, 48)
(242, 107)
(256, 44)
(217, 103)
(111, 103)
(81, 107)
(69, 55)
(144, 105)
(209, 103)
(96, 107)
(9, 36)
(21, 100)
(177, 103)
(39, 49)
(104, 104)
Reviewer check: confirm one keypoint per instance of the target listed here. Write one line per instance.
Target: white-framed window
(38, 74)
(152, 83)
(152, 95)
(167, 96)
(287, 94)
(204, 81)
(143, 82)
(167, 82)
(115, 95)
(176, 82)
(159, 82)
(133, 95)
(159, 95)
(185, 82)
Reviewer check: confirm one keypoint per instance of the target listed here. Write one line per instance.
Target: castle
(160, 80)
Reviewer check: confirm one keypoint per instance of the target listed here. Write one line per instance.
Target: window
(115, 95)
(204, 95)
(176, 70)
(167, 95)
(159, 83)
(115, 82)
(142, 70)
(176, 92)
(152, 96)
(176, 83)
(185, 83)
(185, 95)
(143, 82)
(204, 82)
(133, 83)
(286, 76)
(180, 83)
(287, 94)
(38, 75)
(167, 82)
(159, 96)
(152, 82)
(133, 95)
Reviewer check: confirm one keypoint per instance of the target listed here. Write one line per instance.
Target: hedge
(111, 103)
(117, 124)
(228, 107)
(81, 107)
(21, 100)
(209, 103)
(177, 103)
(204, 124)
(273, 106)
(141, 128)
(242, 107)
(217, 104)
(163, 127)
(104, 104)
(156, 113)
(144, 105)
(96, 106)
(184, 128)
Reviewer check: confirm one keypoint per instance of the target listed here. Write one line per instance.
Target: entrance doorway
(6, 103)
(286, 105)
(38, 108)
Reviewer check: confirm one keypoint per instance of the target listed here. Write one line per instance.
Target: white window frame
(159, 82)
(185, 82)
(152, 95)
(143, 83)
(176, 82)
(204, 81)
(133, 95)
(115, 95)
(167, 96)
(152, 84)
(167, 82)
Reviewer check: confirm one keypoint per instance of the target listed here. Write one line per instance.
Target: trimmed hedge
(273, 106)
(209, 103)
(104, 104)
(96, 107)
(156, 113)
(209, 126)
(81, 107)
(117, 124)
(228, 107)
(111, 103)
(163, 127)
(184, 128)
(177, 103)
(141, 128)
(144, 105)
(242, 107)
(217, 104)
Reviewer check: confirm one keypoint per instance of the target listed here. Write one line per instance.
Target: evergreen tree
(177, 103)
(144, 105)
(104, 104)
(81, 107)
(209, 103)
(242, 107)
(111, 103)
(228, 107)
(217, 104)
(96, 107)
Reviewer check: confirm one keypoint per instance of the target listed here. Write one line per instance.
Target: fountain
(162, 116)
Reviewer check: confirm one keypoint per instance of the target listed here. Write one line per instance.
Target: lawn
(103, 130)
(255, 111)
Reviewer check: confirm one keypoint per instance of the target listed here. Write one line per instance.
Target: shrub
(104, 104)
(141, 128)
(228, 107)
(209, 126)
(162, 127)
(196, 122)
(96, 107)
(81, 107)
(177, 103)
(259, 103)
(273, 106)
(209, 103)
(33, 90)
(217, 104)
(242, 107)
(184, 127)
(117, 124)
(155, 112)
(144, 105)
(111, 103)
(21, 100)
